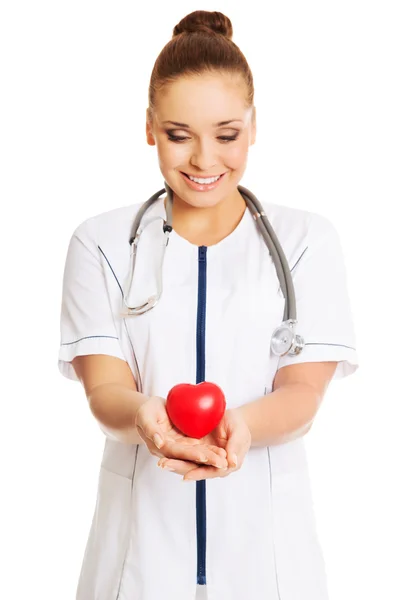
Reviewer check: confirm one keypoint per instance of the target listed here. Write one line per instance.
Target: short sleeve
(324, 311)
(87, 323)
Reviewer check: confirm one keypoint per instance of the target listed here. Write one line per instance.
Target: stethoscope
(284, 338)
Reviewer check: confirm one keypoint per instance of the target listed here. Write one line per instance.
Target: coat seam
(327, 344)
(138, 376)
(112, 271)
(298, 260)
(88, 337)
(130, 514)
(272, 521)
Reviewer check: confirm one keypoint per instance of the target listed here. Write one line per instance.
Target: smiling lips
(205, 184)
(203, 176)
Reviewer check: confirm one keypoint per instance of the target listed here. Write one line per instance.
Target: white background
(74, 78)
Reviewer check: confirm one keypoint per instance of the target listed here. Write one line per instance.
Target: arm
(289, 410)
(112, 395)
(114, 401)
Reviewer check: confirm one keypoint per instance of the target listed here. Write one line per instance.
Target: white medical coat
(261, 541)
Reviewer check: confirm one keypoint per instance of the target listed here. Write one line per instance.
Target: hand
(232, 434)
(165, 441)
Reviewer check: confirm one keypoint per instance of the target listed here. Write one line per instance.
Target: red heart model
(195, 409)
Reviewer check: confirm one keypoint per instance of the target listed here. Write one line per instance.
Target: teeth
(204, 181)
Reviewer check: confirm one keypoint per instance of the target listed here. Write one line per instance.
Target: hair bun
(206, 22)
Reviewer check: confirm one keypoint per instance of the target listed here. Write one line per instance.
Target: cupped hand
(232, 435)
(164, 440)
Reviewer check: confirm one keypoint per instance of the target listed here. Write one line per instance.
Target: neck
(207, 225)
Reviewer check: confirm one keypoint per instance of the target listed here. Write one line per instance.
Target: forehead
(205, 99)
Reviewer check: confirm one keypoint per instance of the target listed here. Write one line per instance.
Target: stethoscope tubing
(285, 334)
(266, 230)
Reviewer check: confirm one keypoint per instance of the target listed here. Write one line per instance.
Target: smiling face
(202, 127)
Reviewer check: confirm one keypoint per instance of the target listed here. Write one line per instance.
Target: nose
(203, 156)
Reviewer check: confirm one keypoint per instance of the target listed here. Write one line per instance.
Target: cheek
(236, 156)
(170, 155)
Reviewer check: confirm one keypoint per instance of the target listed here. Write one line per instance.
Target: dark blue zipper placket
(200, 377)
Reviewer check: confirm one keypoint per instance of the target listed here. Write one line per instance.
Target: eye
(176, 138)
(224, 138)
(229, 138)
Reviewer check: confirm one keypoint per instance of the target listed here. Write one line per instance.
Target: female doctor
(242, 526)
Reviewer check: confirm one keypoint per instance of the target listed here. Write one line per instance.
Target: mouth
(203, 176)
(206, 184)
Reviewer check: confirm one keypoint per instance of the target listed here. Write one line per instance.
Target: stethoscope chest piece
(285, 340)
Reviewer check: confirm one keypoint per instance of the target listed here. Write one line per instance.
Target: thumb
(158, 440)
(147, 433)
(239, 439)
(146, 417)
(234, 449)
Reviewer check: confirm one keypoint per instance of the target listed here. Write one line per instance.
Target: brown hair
(201, 43)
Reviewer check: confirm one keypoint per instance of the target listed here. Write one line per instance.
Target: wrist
(138, 406)
(242, 414)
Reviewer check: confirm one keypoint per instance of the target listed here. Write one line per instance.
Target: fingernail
(157, 439)
(234, 460)
(168, 468)
(203, 458)
(187, 480)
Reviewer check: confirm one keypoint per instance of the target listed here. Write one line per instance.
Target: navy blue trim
(298, 260)
(112, 337)
(99, 336)
(294, 266)
(321, 344)
(201, 513)
(112, 270)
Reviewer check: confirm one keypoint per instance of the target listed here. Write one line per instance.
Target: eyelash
(179, 139)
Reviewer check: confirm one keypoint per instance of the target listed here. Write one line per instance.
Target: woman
(243, 525)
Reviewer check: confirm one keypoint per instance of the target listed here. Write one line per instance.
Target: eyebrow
(220, 124)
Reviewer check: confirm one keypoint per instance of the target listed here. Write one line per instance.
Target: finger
(195, 442)
(206, 472)
(180, 467)
(192, 471)
(218, 450)
(183, 466)
(198, 453)
(180, 449)
(217, 456)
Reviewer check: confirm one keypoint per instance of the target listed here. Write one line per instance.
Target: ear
(149, 135)
(253, 127)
